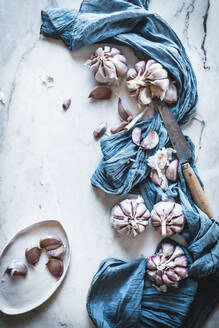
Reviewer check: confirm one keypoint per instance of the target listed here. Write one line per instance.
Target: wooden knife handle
(196, 190)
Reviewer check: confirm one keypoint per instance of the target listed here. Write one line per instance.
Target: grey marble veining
(47, 155)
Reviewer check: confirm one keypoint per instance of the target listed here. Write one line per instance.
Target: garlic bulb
(167, 267)
(148, 80)
(167, 218)
(130, 217)
(107, 64)
(16, 268)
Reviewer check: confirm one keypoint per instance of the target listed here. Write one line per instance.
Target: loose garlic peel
(167, 218)
(130, 217)
(148, 80)
(107, 64)
(168, 267)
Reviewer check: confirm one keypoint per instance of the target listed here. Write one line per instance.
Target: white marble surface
(48, 156)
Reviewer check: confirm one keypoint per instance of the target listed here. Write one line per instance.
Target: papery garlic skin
(107, 64)
(148, 80)
(130, 217)
(168, 267)
(16, 268)
(167, 218)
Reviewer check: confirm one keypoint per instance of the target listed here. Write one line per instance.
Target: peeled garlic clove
(171, 94)
(66, 104)
(50, 242)
(33, 255)
(171, 171)
(119, 127)
(100, 130)
(100, 92)
(17, 268)
(124, 112)
(136, 136)
(55, 267)
(150, 141)
(58, 252)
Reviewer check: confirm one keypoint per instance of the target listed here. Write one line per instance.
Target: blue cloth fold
(130, 23)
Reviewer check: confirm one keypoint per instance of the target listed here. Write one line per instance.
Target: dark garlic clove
(55, 267)
(171, 171)
(33, 255)
(100, 130)
(66, 104)
(58, 252)
(119, 127)
(50, 242)
(124, 113)
(101, 92)
(16, 268)
(136, 136)
(150, 141)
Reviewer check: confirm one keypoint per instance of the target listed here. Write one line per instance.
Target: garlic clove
(16, 268)
(121, 68)
(55, 267)
(171, 171)
(171, 274)
(58, 252)
(114, 52)
(156, 259)
(121, 58)
(131, 74)
(140, 67)
(117, 212)
(126, 207)
(119, 127)
(136, 136)
(101, 76)
(181, 271)
(150, 264)
(167, 249)
(152, 275)
(158, 74)
(124, 113)
(150, 62)
(66, 104)
(100, 130)
(141, 210)
(167, 281)
(100, 92)
(145, 96)
(162, 84)
(150, 141)
(181, 261)
(158, 280)
(162, 182)
(171, 94)
(50, 242)
(179, 220)
(33, 255)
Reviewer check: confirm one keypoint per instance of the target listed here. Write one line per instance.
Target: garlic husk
(148, 80)
(130, 217)
(119, 127)
(16, 268)
(150, 141)
(55, 267)
(167, 218)
(167, 267)
(100, 130)
(107, 64)
(33, 255)
(171, 171)
(100, 92)
(50, 242)
(124, 113)
(58, 252)
(66, 104)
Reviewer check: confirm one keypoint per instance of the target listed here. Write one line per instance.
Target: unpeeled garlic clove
(50, 242)
(124, 113)
(33, 255)
(66, 104)
(55, 267)
(150, 141)
(171, 171)
(58, 252)
(119, 127)
(171, 94)
(136, 136)
(101, 92)
(17, 268)
(100, 130)
(159, 181)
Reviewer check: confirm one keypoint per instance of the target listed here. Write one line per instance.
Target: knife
(184, 155)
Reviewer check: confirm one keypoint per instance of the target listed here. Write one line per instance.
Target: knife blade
(184, 154)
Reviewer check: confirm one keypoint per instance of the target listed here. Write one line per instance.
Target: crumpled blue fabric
(130, 23)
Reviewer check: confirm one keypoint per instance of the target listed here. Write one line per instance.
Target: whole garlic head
(167, 267)
(148, 80)
(107, 64)
(130, 217)
(167, 218)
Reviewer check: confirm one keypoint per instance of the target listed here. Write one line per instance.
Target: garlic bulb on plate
(130, 217)
(167, 267)
(167, 218)
(147, 80)
(107, 64)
